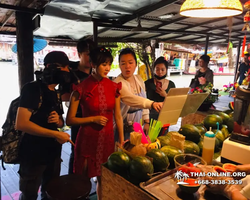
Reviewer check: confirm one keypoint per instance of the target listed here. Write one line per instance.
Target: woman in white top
(134, 103)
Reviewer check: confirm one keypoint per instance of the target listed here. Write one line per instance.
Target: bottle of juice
(208, 146)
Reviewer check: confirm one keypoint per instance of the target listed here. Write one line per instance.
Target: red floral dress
(94, 142)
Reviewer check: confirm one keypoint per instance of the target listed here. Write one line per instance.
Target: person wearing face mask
(157, 88)
(99, 98)
(134, 104)
(40, 149)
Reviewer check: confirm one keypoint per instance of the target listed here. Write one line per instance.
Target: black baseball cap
(56, 57)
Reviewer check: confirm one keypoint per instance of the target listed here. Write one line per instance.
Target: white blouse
(129, 99)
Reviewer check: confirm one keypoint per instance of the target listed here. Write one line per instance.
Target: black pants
(33, 175)
(74, 131)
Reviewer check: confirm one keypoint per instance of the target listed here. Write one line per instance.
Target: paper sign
(173, 105)
(193, 102)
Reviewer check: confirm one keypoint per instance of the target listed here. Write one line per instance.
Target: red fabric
(243, 46)
(94, 142)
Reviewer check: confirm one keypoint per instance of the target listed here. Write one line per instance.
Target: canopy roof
(64, 20)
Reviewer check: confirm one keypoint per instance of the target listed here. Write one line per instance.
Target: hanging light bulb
(211, 8)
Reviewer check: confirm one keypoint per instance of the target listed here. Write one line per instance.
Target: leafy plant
(205, 89)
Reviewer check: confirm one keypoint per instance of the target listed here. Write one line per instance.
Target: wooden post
(95, 32)
(207, 43)
(24, 38)
(237, 60)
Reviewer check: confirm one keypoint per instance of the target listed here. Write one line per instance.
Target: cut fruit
(219, 169)
(191, 187)
(229, 167)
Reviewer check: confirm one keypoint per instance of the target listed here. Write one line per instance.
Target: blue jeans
(33, 175)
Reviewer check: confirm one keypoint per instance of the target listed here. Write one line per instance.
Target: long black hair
(100, 55)
(127, 51)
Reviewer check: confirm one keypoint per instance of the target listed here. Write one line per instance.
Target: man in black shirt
(40, 148)
(82, 70)
(243, 69)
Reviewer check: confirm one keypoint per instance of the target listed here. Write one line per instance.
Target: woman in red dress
(99, 98)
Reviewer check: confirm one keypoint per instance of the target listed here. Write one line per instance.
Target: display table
(116, 187)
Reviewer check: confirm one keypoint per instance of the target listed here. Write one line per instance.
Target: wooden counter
(115, 187)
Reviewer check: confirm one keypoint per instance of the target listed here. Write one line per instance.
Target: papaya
(219, 169)
(211, 121)
(190, 132)
(229, 167)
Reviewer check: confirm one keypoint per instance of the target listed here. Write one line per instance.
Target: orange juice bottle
(208, 146)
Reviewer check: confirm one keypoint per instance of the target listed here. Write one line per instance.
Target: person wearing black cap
(204, 75)
(39, 115)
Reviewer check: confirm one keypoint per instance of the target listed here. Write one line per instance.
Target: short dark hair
(85, 45)
(127, 51)
(161, 60)
(100, 55)
(206, 58)
(246, 54)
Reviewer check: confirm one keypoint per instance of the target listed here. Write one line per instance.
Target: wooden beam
(24, 48)
(22, 9)
(153, 30)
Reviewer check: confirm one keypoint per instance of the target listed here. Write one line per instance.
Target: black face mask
(55, 75)
(160, 77)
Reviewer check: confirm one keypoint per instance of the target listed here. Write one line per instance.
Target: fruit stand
(140, 176)
(144, 167)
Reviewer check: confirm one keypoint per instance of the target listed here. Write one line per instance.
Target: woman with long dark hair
(157, 88)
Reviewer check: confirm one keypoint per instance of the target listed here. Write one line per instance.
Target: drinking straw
(154, 129)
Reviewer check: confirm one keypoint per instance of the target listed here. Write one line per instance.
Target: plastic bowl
(183, 159)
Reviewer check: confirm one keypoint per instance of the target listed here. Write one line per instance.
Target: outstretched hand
(157, 106)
